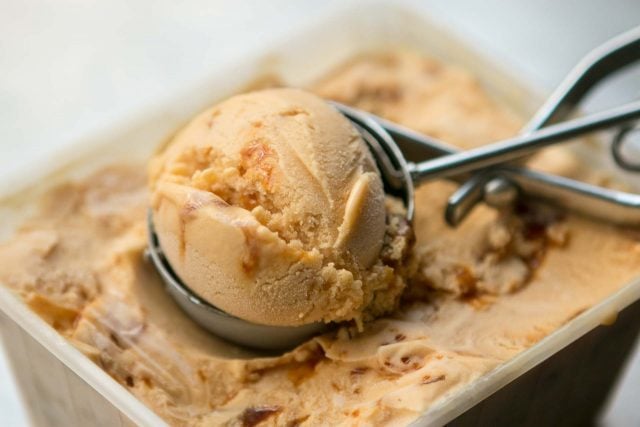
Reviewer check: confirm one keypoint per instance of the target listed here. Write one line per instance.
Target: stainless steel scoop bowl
(394, 170)
(392, 146)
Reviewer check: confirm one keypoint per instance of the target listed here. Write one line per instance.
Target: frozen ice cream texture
(479, 295)
(270, 206)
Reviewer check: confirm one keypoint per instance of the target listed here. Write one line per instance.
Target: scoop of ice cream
(270, 207)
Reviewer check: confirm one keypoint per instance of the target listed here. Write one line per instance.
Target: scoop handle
(522, 145)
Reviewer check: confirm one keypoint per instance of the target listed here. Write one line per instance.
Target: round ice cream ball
(270, 207)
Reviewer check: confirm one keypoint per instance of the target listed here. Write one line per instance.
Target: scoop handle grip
(522, 145)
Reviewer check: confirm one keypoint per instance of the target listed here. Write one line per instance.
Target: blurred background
(69, 67)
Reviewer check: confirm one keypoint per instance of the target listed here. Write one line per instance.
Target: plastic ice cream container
(563, 379)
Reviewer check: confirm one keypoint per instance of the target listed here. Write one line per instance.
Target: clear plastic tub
(63, 387)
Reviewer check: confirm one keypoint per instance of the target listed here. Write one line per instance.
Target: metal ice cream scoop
(498, 182)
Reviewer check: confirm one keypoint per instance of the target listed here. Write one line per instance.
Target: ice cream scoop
(221, 191)
(383, 285)
(270, 207)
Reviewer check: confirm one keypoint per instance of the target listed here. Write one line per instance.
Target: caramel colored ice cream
(480, 294)
(269, 206)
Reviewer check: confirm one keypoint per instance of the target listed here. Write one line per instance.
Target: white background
(70, 66)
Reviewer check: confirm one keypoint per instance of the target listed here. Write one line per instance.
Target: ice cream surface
(269, 205)
(483, 293)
